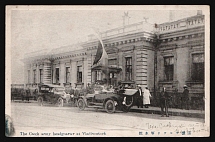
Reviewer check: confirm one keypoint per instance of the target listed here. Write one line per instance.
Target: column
(38, 74)
(73, 73)
(31, 73)
(141, 67)
(89, 64)
(85, 72)
(47, 72)
(62, 73)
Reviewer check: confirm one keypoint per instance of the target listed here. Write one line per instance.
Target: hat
(185, 86)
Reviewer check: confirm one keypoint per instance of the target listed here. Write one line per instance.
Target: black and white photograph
(107, 71)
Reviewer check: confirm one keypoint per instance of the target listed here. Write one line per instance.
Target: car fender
(114, 98)
(84, 98)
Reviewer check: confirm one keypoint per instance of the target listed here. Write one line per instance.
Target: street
(32, 120)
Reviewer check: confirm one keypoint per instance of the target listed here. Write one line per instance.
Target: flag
(101, 54)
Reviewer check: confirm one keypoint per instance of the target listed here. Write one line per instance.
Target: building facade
(170, 55)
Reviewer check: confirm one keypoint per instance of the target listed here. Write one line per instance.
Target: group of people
(143, 99)
(26, 94)
(164, 98)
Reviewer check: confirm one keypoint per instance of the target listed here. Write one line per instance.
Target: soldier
(27, 94)
(185, 98)
(140, 97)
(164, 102)
(76, 95)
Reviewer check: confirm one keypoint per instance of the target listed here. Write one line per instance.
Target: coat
(146, 97)
(185, 94)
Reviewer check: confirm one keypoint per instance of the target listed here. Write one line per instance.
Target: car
(108, 99)
(53, 94)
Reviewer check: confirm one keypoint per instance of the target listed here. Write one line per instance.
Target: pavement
(150, 110)
(172, 112)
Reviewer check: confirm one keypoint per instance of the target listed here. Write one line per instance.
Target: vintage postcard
(107, 71)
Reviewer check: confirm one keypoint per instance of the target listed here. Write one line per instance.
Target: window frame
(41, 75)
(57, 76)
(168, 67)
(29, 76)
(34, 76)
(79, 77)
(194, 69)
(128, 74)
(67, 72)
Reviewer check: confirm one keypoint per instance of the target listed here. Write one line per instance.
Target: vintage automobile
(53, 94)
(19, 92)
(110, 100)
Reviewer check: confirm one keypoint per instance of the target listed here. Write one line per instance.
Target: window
(112, 75)
(79, 74)
(198, 67)
(57, 75)
(112, 62)
(67, 74)
(29, 76)
(169, 68)
(128, 68)
(41, 75)
(98, 75)
(34, 74)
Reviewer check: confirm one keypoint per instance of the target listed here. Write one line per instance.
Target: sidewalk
(150, 110)
(172, 111)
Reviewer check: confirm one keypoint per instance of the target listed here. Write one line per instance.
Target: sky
(33, 29)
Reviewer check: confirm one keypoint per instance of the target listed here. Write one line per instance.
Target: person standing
(140, 97)
(27, 94)
(185, 98)
(146, 97)
(164, 102)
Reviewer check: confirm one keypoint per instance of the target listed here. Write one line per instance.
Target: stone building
(169, 54)
(180, 56)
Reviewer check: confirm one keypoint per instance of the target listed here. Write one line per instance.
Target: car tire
(81, 104)
(110, 106)
(60, 102)
(40, 101)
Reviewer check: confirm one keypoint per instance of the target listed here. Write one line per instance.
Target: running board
(95, 107)
(96, 104)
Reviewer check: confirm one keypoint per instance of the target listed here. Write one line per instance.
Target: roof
(65, 49)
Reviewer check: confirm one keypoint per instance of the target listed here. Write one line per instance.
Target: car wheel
(40, 101)
(81, 105)
(110, 106)
(60, 102)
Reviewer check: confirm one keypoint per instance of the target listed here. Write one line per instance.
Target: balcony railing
(128, 29)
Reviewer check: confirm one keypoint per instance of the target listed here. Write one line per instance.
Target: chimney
(199, 12)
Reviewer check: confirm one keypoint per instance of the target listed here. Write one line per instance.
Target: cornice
(179, 35)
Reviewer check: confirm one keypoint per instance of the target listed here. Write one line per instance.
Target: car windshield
(59, 89)
(98, 88)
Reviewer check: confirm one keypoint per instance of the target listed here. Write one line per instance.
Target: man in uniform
(164, 102)
(140, 97)
(27, 94)
(185, 98)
